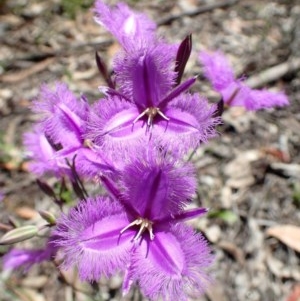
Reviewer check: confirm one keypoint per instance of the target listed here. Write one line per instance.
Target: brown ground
(249, 176)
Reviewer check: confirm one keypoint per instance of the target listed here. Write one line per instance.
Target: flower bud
(19, 234)
(48, 217)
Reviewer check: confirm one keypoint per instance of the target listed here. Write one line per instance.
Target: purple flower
(63, 123)
(234, 92)
(147, 107)
(131, 29)
(63, 115)
(17, 258)
(139, 231)
(148, 103)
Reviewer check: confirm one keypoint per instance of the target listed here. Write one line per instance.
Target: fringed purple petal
(20, 258)
(146, 76)
(115, 126)
(238, 94)
(263, 99)
(217, 69)
(191, 122)
(90, 238)
(130, 28)
(111, 126)
(42, 155)
(155, 184)
(63, 114)
(92, 164)
(173, 265)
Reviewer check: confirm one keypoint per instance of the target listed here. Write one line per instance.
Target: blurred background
(249, 176)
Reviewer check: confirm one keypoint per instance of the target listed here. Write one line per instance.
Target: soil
(249, 175)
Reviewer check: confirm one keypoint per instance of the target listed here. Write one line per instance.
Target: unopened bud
(19, 234)
(48, 217)
(46, 188)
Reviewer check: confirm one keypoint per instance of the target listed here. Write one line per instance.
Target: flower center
(144, 225)
(88, 143)
(151, 112)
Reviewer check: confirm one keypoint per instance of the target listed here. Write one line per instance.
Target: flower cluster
(132, 142)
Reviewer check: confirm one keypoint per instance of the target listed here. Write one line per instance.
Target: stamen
(136, 222)
(151, 112)
(163, 115)
(141, 115)
(141, 231)
(144, 224)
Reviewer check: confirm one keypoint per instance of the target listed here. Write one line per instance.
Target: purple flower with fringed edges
(63, 116)
(150, 101)
(60, 136)
(234, 92)
(138, 230)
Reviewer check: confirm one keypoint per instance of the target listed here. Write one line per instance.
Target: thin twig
(200, 10)
(40, 56)
(273, 73)
(23, 74)
(5, 227)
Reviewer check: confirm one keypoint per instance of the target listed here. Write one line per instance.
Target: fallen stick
(273, 73)
(200, 10)
(73, 50)
(23, 74)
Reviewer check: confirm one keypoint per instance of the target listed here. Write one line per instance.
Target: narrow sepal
(182, 216)
(220, 109)
(46, 188)
(107, 91)
(103, 70)
(177, 91)
(183, 54)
